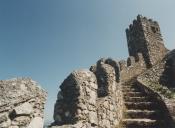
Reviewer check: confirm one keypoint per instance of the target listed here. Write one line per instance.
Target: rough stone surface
(160, 78)
(110, 103)
(36, 122)
(163, 72)
(98, 98)
(144, 36)
(129, 68)
(91, 107)
(23, 109)
(21, 101)
(77, 99)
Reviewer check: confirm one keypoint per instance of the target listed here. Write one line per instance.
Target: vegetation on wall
(162, 90)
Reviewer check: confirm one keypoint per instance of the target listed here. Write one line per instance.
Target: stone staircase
(141, 109)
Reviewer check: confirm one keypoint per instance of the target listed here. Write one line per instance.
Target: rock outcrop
(21, 104)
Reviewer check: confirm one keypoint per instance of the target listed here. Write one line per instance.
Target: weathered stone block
(3, 117)
(36, 122)
(23, 109)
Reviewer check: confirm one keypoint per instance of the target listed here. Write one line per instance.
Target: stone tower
(144, 36)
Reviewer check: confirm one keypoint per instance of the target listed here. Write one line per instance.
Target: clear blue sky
(47, 39)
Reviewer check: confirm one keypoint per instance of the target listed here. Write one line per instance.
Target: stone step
(130, 89)
(141, 105)
(151, 114)
(137, 99)
(142, 123)
(130, 86)
(133, 94)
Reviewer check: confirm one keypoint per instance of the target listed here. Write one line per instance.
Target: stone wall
(163, 72)
(154, 40)
(167, 105)
(160, 79)
(110, 100)
(169, 70)
(132, 67)
(144, 36)
(153, 75)
(106, 79)
(21, 104)
(76, 102)
(124, 70)
(94, 98)
(90, 99)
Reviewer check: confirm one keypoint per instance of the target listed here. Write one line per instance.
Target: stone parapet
(21, 104)
(90, 99)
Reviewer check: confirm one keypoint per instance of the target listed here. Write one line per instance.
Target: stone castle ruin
(135, 93)
(21, 104)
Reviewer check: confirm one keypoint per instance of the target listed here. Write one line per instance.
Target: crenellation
(93, 68)
(127, 32)
(139, 57)
(101, 61)
(134, 22)
(146, 20)
(105, 74)
(132, 67)
(123, 65)
(150, 20)
(131, 61)
(96, 91)
(145, 37)
(111, 94)
(116, 66)
(130, 26)
(97, 98)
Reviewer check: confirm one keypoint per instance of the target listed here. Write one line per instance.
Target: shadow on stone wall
(165, 110)
(168, 76)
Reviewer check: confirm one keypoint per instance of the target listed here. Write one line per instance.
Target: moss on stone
(163, 90)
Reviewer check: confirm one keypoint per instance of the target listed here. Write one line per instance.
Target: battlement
(148, 26)
(124, 69)
(95, 98)
(144, 36)
(141, 19)
(132, 61)
(145, 19)
(131, 67)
